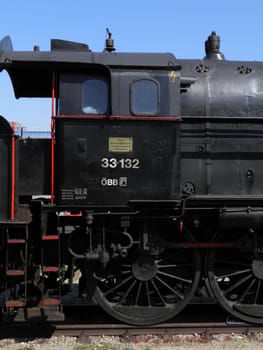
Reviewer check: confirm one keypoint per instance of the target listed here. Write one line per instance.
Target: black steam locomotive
(148, 194)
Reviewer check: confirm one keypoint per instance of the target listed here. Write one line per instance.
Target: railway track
(196, 319)
(124, 331)
(160, 329)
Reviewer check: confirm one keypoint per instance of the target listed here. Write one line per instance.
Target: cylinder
(241, 219)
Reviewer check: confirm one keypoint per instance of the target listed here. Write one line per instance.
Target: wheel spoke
(148, 293)
(126, 272)
(236, 273)
(174, 277)
(237, 284)
(174, 266)
(169, 287)
(241, 298)
(118, 286)
(158, 292)
(257, 291)
(127, 292)
(138, 293)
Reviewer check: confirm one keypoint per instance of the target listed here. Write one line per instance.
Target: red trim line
(53, 140)
(52, 160)
(15, 273)
(118, 117)
(205, 245)
(68, 213)
(13, 172)
(50, 269)
(14, 303)
(50, 302)
(50, 238)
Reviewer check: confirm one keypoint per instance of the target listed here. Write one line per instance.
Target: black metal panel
(34, 167)
(4, 178)
(5, 168)
(223, 88)
(222, 156)
(106, 162)
(58, 44)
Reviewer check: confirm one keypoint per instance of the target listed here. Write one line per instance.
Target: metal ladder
(51, 270)
(16, 235)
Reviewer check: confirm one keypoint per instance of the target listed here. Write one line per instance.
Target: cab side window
(83, 93)
(95, 96)
(144, 97)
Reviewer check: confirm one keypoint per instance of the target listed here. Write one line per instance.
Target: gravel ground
(168, 342)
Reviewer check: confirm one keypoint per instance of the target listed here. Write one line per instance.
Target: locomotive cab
(117, 127)
(115, 123)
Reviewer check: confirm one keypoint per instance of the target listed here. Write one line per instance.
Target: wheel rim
(236, 275)
(142, 289)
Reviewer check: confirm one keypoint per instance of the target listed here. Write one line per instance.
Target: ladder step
(50, 238)
(15, 273)
(14, 303)
(16, 241)
(50, 302)
(50, 269)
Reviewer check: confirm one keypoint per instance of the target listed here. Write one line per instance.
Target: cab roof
(31, 71)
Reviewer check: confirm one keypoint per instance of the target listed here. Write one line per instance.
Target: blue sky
(176, 26)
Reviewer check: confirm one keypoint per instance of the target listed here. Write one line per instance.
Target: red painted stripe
(16, 241)
(204, 245)
(53, 139)
(50, 269)
(13, 173)
(50, 302)
(118, 117)
(69, 213)
(52, 195)
(50, 237)
(172, 119)
(15, 273)
(14, 303)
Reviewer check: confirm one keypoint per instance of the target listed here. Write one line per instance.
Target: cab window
(95, 96)
(144, 97)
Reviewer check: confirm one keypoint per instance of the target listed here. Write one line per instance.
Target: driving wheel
(235, 275)
(144, 289)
